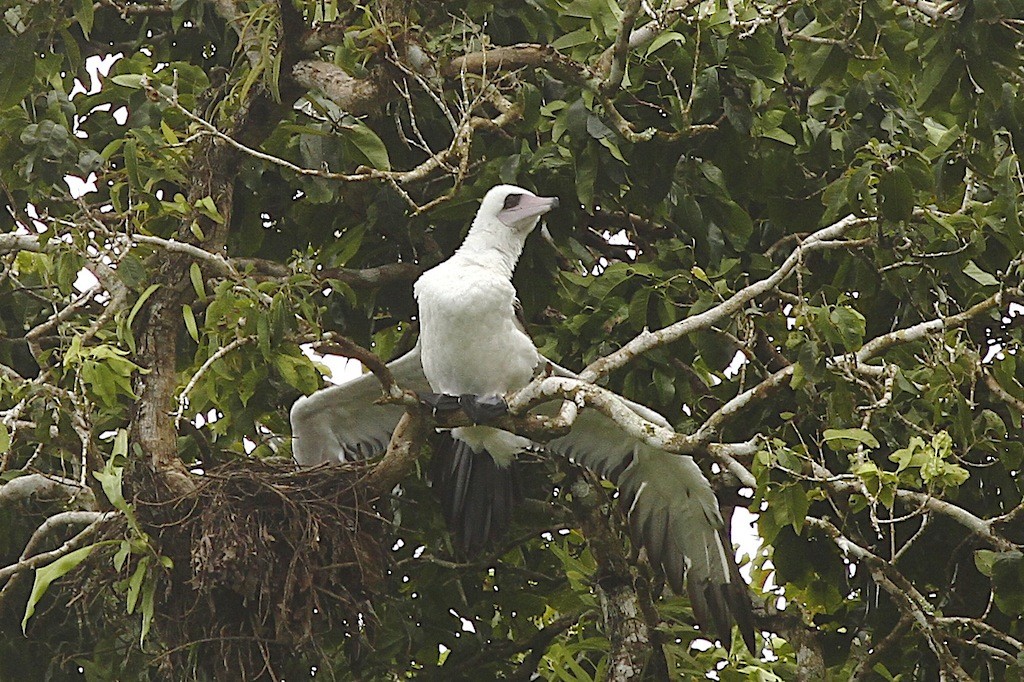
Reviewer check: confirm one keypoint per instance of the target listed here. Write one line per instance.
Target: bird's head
(506, 217)
(514, 207)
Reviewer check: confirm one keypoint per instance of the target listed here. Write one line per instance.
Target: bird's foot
(480, 409)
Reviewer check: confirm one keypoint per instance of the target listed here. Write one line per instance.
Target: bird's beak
(528, 207)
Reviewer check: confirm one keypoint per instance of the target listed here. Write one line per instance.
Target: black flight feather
(477, 495)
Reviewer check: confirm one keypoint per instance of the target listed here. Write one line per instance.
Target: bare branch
(374, 277)
(981, 627)
(864, 666)
(221, 352)
(581, 393)
(645, 34)
(903, 593)
(458, 148)
(42, 488)
(38, 560)
(1002, 393)
(216, 260)
(132, 9)
(350, 349)
(648, 340)
(869, 350)
(620, 50)
(935, 11)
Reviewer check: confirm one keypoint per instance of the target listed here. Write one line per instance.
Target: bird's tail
(477, 494)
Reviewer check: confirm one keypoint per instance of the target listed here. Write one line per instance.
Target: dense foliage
(833, 187)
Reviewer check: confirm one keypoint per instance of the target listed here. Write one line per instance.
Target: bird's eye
(511, 201)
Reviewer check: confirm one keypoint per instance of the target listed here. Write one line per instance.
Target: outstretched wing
(672, 512)
(342, 423)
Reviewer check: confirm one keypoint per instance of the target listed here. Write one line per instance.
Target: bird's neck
(495, 247)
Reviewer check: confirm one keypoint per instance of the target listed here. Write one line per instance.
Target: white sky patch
(996, 351)
(97, 66)
(342, 369)
(79, 187)
(744, 534)
(620, 238)
(737, 363)
(85, 280)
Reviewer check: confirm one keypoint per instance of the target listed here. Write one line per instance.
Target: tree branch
(616, 68)
(43, 488)
(869, 350)
(906, 597)
(404, 448)
(76, 542)
(648, 340)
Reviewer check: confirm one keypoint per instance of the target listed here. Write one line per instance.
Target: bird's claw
(480, 409)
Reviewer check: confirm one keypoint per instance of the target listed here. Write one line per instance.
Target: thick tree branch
(935, 11)
(1001, 392)
(915, 500)
(45, 489)
(349, 349)
(625, 624)
(357, 96)
(404, 448)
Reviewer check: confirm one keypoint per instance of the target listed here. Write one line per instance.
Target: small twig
(45, 558)
(221, 352)
(350, 349)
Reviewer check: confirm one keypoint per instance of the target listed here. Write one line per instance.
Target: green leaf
(586, 175)
(131, 163)
(140, 302)
(849, 325)
(122, 554)
(190, 322)
(84, 16)
(18, 67)
(896, 195)
(5, 438)
(129, 80)
(780, 135)
(980, 276)
(135, 584)
(849, 439)
(110, 479)
(47, 574)
(196, 275)
(984, 559)
(663, 40)
(209, 209)
(371, 146)
(580, 36)
(148, 609)
(798, 504)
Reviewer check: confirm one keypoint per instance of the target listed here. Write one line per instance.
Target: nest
(265, 559)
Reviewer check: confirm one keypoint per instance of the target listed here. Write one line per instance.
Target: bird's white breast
(469, 339)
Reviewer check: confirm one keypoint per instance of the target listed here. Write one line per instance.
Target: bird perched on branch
(472, 350)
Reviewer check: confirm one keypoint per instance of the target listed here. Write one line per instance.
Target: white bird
(472, 344)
